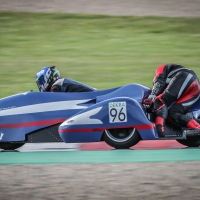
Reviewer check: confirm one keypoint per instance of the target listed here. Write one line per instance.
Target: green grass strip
(101, 51)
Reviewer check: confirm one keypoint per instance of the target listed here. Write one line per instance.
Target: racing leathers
(69, 85)
(175, 90)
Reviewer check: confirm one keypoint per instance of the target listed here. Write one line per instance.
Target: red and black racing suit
(177, 89)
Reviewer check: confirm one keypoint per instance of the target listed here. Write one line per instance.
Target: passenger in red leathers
(175, 90)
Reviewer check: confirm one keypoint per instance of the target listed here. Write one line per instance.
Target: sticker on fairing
(1, 136)
(117, 112)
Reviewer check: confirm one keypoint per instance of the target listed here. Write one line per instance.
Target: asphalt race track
(61, 146)
(150, 170)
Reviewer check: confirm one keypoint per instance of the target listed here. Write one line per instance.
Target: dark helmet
(46, 77)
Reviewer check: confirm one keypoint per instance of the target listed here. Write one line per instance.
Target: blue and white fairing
(85, 114)
(27, 112)
(118, 109)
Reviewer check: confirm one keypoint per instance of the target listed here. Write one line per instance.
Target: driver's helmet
(46, 77)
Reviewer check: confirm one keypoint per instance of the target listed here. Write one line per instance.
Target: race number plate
(117, 112)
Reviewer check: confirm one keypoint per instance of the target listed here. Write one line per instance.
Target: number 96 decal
(117, 112)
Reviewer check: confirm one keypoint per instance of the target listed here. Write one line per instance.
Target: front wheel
(121, 138)
(10, 146)
(192, 141)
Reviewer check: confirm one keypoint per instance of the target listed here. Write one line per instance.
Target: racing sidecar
(115, 116)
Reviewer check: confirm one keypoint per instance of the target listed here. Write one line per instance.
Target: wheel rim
(120, 135)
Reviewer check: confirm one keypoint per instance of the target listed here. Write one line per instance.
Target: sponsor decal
(1, 136)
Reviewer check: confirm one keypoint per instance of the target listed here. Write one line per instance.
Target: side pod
(121, 112)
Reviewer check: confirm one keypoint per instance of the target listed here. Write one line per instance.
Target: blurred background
(103, 44)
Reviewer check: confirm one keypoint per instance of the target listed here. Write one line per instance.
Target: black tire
(10, 146)
(192, 141)
(122, 138)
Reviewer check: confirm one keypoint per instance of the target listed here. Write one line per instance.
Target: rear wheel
(192, 141)
(10, 146)
(121, 138)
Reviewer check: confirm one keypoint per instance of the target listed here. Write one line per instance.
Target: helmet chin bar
(48, 89)
(41, 88)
